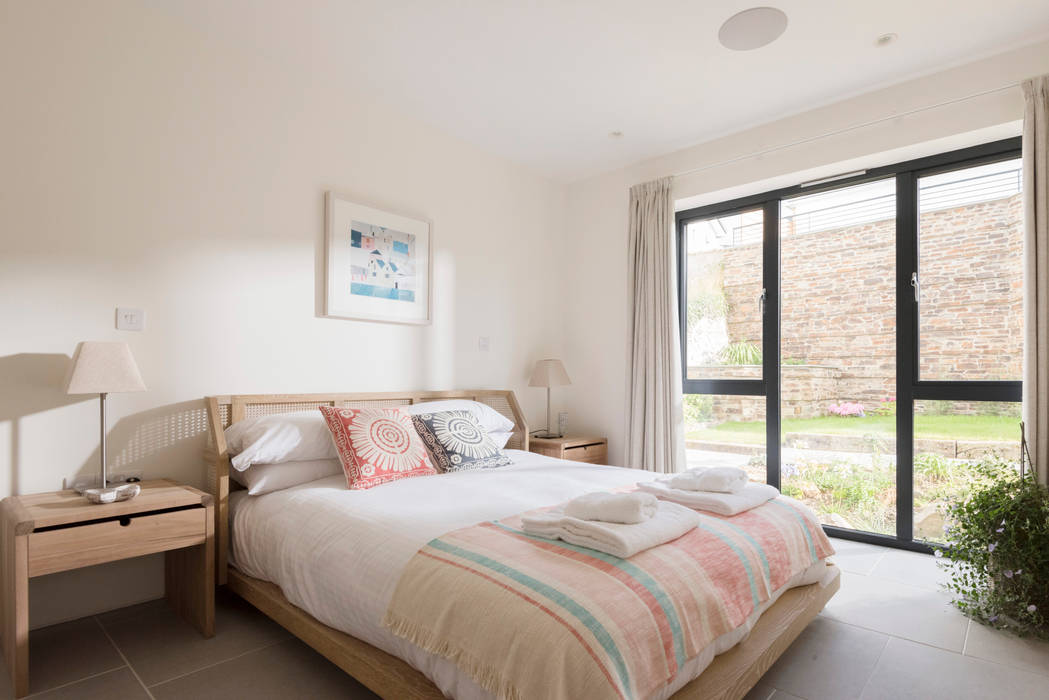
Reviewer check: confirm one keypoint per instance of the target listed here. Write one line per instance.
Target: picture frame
(379, 265)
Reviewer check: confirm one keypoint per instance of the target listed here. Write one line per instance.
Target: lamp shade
(549, 373)
(103, 368)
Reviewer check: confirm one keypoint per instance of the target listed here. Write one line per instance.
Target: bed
(331, 589)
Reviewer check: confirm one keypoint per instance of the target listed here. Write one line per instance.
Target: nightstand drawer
(71, 547)
(594, 454)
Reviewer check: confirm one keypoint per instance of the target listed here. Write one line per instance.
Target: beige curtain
(1036, 271)
(654, 431)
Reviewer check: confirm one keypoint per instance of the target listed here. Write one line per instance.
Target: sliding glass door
(857, 341)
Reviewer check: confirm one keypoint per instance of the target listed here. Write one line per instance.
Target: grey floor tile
(784, 695)
(910, 671)
(828, 661)
(115, 685)
(994, 645)
(761, 691)
(289, 669)
(134, 611)
(918, 614)
(68, 652)
(911, 568)
(857, 557)
(160, 646)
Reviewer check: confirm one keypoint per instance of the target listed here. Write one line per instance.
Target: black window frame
(909, 385)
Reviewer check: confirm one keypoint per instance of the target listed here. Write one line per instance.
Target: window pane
(838, 354)
(726, 431)
(970, 266)
(723, 287)
(949, 437)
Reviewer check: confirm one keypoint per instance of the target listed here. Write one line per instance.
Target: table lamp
(549, 373)
(105, 368)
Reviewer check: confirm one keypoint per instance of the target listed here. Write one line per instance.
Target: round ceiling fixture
(751, 29)
(886, 39)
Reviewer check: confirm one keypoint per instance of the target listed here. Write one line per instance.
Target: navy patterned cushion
(457, 441)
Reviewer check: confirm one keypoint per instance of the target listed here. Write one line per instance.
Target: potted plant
(997, 548)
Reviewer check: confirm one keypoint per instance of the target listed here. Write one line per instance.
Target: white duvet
(338, 554)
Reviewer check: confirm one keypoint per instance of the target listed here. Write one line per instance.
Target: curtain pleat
(1036, 271)
(655, 420)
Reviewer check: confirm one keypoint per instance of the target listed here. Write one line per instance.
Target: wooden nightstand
(49, 532)
(578, 449)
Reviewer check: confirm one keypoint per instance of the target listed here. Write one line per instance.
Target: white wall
(148, 165)
(874, 129)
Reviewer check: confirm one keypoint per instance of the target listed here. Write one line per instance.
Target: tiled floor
(889, 633)
(146, 652)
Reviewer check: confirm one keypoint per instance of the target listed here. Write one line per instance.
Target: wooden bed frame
(729, 677)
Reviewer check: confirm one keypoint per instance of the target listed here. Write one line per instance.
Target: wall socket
(129, 319)
(484, 343)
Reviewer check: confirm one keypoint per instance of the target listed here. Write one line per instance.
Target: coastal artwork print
(378, 264)
(382, 262)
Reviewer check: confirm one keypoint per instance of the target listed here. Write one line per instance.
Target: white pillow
(264, 478)
(490, 419)
(282, 437)
(501, 437)
(304, 435)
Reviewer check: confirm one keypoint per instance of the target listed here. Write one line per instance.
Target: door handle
(761, 303)
(916, 283)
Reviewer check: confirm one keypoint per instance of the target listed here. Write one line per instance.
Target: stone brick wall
(838, 304)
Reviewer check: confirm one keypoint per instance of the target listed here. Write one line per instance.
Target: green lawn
(993, 428)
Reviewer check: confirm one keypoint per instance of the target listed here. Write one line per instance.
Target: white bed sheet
(338, 554)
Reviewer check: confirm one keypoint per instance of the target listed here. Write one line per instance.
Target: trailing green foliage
(998, 549)
(706, 305)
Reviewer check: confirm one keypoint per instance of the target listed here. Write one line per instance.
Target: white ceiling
(544, 82)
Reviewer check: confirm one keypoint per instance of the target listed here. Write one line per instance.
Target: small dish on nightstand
(124, 492)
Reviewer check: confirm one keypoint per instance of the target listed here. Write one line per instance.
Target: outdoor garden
(843, 464)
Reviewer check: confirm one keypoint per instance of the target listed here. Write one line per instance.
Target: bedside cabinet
(578, 449)
(49, 532)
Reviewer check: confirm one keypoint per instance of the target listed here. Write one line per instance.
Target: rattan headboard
(226, 410)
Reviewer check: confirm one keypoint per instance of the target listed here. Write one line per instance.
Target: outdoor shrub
(698, 408)
(741, 353)
(933, 466)
(846, 408)
(997, 552)
(885, 407)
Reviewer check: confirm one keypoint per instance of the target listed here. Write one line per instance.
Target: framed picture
(378, 264)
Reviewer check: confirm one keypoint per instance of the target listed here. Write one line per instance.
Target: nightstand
(46, 533)
(578, 449)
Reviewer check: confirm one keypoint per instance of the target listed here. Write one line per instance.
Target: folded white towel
(719, 479)
(620, 540)
(613, 507)
(752, 496)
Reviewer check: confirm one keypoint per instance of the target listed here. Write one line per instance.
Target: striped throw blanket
(527, 617)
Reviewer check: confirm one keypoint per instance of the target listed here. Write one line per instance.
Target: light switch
(483, 343)
(130, 319)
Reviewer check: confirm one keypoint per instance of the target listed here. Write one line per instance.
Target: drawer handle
(125, 521)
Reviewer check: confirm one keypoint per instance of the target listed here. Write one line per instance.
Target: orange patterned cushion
(376, 445)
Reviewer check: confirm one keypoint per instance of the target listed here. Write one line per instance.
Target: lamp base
(112, 494)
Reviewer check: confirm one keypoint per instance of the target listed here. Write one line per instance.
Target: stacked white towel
(752, 496)
(718, 479)
(627, 508)
(618, 539)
